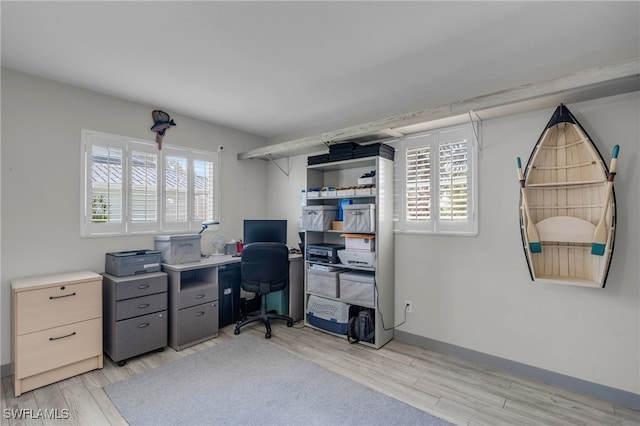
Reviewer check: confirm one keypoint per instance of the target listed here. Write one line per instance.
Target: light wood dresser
(57, 327)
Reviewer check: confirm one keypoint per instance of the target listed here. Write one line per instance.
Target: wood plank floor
(450, 388)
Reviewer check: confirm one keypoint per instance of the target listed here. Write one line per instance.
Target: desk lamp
(207, 223)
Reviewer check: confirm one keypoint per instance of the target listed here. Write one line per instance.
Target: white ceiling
(277, 68)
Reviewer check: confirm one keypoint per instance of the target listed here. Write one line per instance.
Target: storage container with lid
(318, 218)
(359, 218)
(180, 248)
(358, 288)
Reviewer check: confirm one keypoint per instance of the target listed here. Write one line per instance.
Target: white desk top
(51, 280)
(211, 261)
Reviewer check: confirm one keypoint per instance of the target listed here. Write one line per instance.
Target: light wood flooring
(450, 388)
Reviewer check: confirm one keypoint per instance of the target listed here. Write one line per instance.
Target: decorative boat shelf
(567, 206)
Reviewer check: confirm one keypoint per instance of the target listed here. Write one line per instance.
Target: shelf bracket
(286, 172)
(475, 128)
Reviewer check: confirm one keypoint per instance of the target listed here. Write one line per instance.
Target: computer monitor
(265, 230)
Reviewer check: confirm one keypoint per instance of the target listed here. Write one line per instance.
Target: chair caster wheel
(289, 323)
(236, 331)
(268, 335)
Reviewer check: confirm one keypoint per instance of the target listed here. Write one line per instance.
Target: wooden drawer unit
(137, 335)
(141, 306)
(197, 322)
(57, 327)
(198, 295)
(135, 314)
(193, 304)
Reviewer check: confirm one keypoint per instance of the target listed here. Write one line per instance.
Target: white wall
(489, 304)
(40, 175)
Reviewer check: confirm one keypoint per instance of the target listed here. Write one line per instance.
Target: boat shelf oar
(600, 235)
(532, 232)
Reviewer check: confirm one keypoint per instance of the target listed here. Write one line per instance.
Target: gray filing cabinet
(135, 314)
(193, 304)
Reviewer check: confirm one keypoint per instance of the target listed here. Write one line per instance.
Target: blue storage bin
(343, 202)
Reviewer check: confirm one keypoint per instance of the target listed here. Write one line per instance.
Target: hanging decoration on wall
(161, 122)
(567, 206)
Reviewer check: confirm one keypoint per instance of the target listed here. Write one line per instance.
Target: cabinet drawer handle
(143, 325)
(144, 305)
(199, 314)
(200, 296)
(64, 295)
(143, 286)
(62, 337)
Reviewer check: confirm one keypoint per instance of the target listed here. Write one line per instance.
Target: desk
(194, 305)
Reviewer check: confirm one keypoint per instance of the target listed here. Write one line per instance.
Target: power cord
(382, 316)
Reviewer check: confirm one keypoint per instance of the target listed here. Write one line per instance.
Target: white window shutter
(176, 176)
(436, 175)
(143, 194)
(103, 210)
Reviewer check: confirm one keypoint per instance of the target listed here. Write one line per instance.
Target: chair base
(264, 317)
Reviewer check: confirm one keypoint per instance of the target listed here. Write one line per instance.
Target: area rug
(249, 381)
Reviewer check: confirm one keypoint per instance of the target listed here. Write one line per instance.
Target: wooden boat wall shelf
(567, 206)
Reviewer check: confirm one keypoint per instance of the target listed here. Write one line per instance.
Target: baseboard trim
(5, 370)
(616, 396)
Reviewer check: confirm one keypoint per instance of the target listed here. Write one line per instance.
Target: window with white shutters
(436, 181)
(131, 187)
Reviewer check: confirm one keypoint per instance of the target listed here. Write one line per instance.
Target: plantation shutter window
(453, 182)
(205, 193)
(143, 188)
(103, 190)
(106, 184)
(418, 184)
(176, 195)
(436, 182)
(131, 187)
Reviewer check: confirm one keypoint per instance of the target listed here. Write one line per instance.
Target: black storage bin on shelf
(379, 149)
(341, 151)
(317, 159)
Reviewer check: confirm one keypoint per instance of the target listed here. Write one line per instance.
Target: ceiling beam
(590, 84)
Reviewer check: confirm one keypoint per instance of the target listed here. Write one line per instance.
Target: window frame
(159, 224)
(433, 140)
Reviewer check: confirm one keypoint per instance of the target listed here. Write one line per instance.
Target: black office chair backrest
(264, 267)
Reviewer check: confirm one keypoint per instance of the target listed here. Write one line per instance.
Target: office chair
(264, 268)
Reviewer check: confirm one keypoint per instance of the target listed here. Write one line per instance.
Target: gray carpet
(248, 381)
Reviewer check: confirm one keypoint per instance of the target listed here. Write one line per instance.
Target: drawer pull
(200, 296)
(143, 286)
(199, 314)
(143, 325)
(62, 337)
(64, 295)
(144, 305)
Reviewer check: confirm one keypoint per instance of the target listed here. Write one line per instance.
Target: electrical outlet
(408, 306)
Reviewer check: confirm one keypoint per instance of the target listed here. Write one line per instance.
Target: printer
(124, 263)
(324, 253)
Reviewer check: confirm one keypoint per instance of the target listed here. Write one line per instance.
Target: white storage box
(346, 192)
(359, 242)
(177, 249)
(358, 288)
(318, 218)
(359, 217)
(330, 315)
(366, 181)
(357, 258)
(324, 283)
(364, 191)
